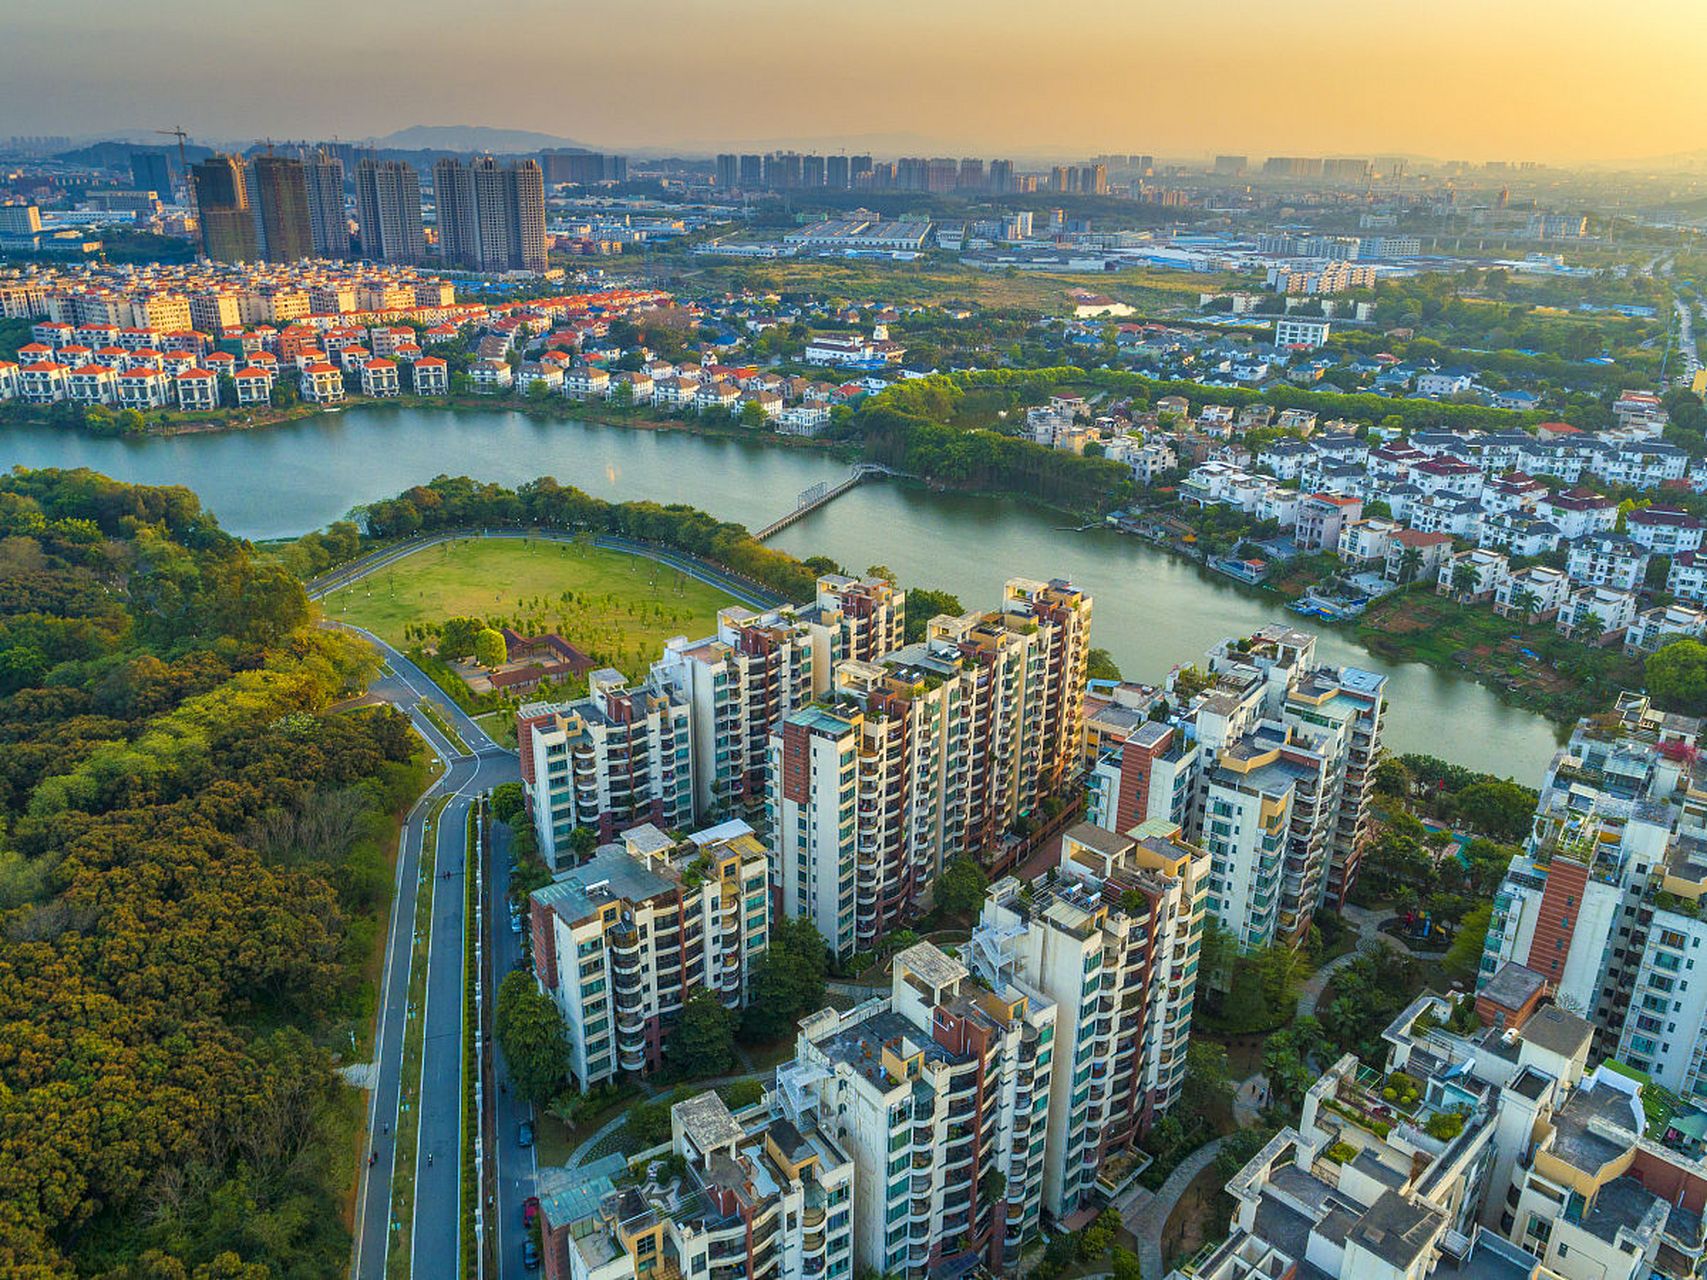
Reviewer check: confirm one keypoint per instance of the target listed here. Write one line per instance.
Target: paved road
(373, 1213)
(436, 1226)
(517, 1167)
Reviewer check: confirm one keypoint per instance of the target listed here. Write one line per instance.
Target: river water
(1152, 609)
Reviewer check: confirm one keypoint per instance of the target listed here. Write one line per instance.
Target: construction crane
(183, 153)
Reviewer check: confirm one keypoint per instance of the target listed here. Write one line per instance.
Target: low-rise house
(1280, 505)
(1578, 512)
(806, 419)
(1321, 516)
(1533, 594)
(1151, 459)
(1285, 459)
(1608, 560)
(1330, 475)
(769, 402)
(1448, 476)
(639, 384)
(322, 384)
(586, 381)
(142, 389)
(430, 376)
(1664, 531)
(1341, 447)
(254, 384)
(1595, 615)
(1657, 627)
(1445, 382)
(1516, 491)
(1447, 513)
(720, 394)
(1646, 465)
(379, 378)
(1413, 556)
(1394, 461)
(43, 382)
(1517, 534)
(491, 375)
(1470, 577)
(1687, 577)
(1366, 541)
(196, 389)
(92, 384)
(540, 373)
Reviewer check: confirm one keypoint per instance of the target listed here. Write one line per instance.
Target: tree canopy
(1677, 677)
(531, 1034)
(192, 871)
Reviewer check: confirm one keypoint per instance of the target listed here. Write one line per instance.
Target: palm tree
(1592, 625)
(1463, 581)
(1525, 601)
(1410, 560)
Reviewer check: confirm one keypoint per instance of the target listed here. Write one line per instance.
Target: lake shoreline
(1153, 610)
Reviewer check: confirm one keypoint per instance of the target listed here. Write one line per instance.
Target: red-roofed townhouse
(254, 384)
(379, 378)
(432, 376)
(93, 384)
(322, 384)
(142, 388)
(197, 389)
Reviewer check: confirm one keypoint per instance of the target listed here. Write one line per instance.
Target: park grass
(619, 609)
(500, 726)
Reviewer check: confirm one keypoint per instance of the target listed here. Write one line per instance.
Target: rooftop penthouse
(1478, 1151)
(758, 1197)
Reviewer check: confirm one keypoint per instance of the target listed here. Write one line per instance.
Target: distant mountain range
(468, 137)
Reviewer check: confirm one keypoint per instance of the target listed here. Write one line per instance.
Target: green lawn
(618, 608)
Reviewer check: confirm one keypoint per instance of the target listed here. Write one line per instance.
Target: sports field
(619, 609)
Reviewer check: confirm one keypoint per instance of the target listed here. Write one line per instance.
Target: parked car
(515, 922)
(524, 1134)
(530, 1210)
(530, 1255)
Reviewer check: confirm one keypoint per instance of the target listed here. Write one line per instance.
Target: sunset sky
(1554, 80)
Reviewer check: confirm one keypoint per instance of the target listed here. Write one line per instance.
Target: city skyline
(1468, 84)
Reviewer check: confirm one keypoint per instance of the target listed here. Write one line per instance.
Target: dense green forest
(193, 873)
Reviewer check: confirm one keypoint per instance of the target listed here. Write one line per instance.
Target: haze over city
(884, 641)
(1454, 78)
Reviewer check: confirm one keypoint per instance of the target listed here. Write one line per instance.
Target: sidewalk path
(1148, 1219)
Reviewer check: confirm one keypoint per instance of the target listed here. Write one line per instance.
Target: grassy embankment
(1531, 665)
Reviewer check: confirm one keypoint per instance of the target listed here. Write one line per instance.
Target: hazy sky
(1477, 79)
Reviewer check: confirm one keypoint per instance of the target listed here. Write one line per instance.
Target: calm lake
(1152, 609)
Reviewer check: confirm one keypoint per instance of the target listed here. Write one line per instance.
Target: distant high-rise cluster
(388, 210)
(791, 171)
(279, 208)
(491, 217)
